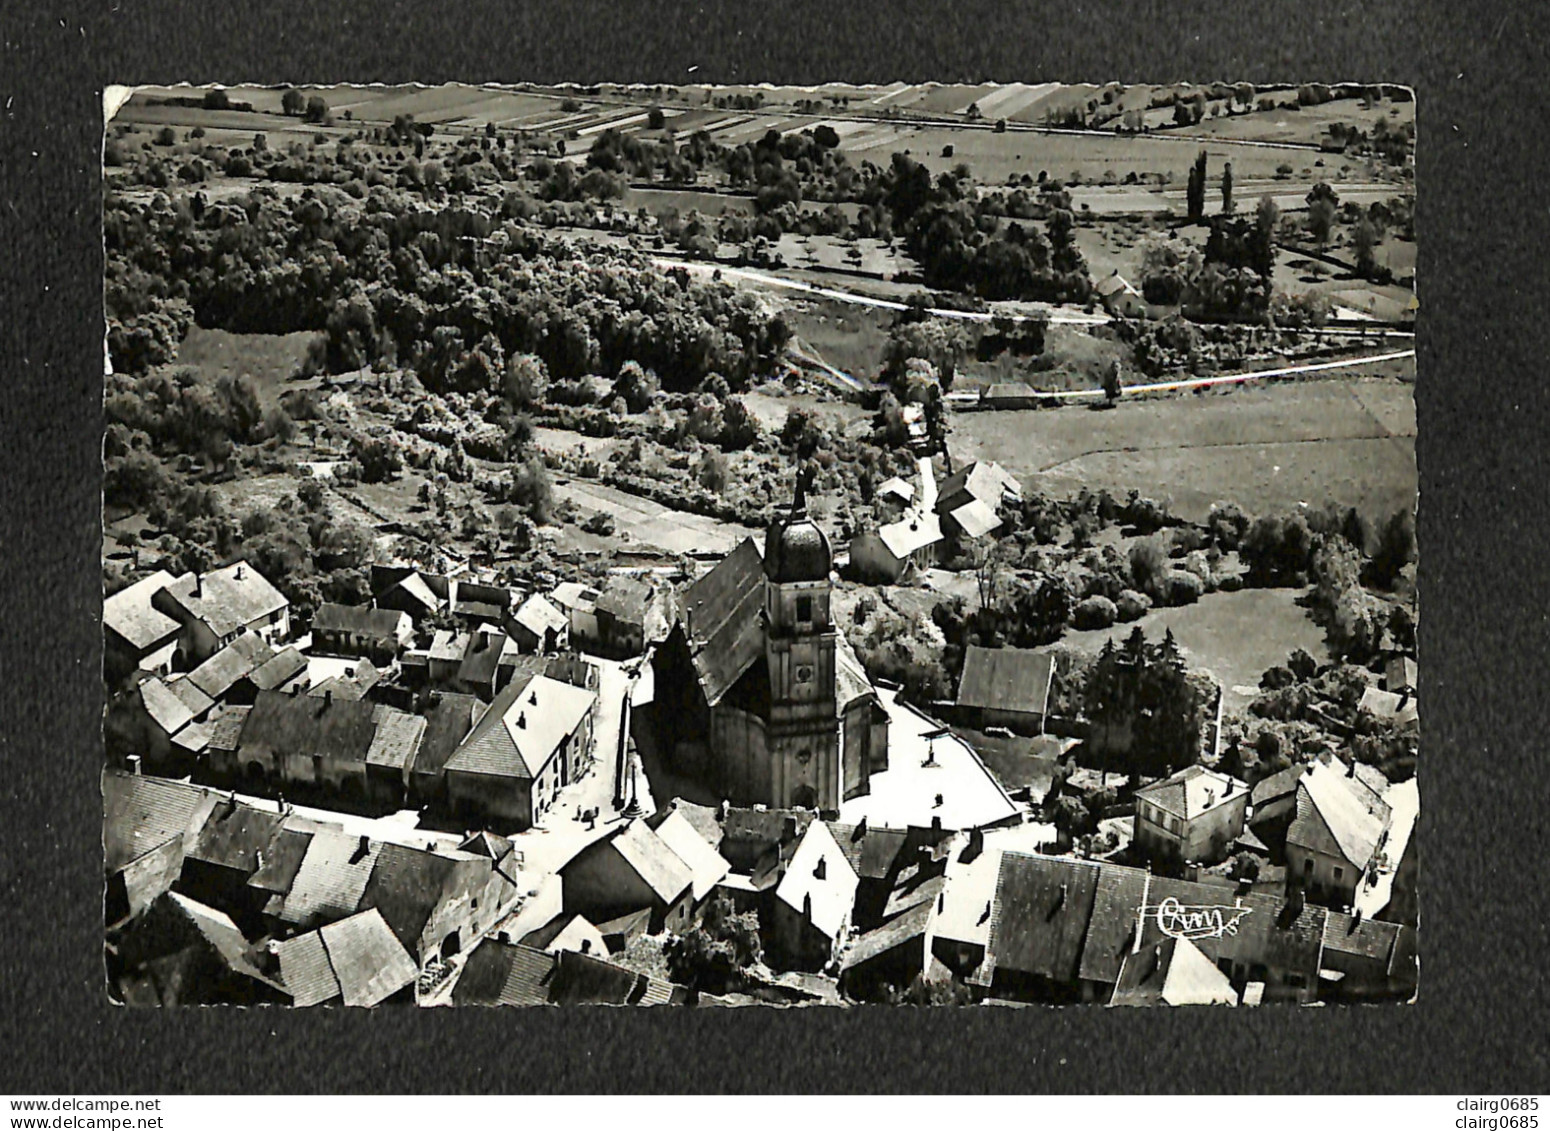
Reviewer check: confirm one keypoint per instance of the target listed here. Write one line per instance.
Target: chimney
(975, 846)
(1350, 770)
(936, 818)
(1228, 791)
(134, 764)
(362, 850)
(198, 590)
(586, 946)
(239, 571)
(821, 872)
(295, 689)
(860, 832)
(1065, 889)
(522, 720)
(328, 696)
(259, 857)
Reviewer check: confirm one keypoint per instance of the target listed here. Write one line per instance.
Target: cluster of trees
(450, 292)
(1146, 709)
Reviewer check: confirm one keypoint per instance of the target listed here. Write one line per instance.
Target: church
(759, 696)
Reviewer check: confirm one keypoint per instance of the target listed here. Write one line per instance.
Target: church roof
(795, 549)
(721, 619)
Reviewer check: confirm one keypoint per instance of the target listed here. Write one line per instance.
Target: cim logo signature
(1199, 920)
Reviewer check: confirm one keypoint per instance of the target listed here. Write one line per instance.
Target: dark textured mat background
(1480, 1023)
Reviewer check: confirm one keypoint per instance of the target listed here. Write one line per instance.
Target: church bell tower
(802, 739)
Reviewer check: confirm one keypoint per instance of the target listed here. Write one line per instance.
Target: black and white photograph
(760, 545)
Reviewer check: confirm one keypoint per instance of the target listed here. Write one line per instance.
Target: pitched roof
(408, 886)
(1193, 791)
(706, 865)
(130, 614)
(332, 877)
(914, 531)
(1114, 284)
(625, 598)
(567, 932)
(900, 488)
(306, 971)
(1172, 972)
(414, 585)
(832, 894)
(582, 978)
(235, 835)
(348, 729)
(1366, 938)
(370, 963)
(482, 657)
(172, 704)
(142, 813)
(228, 599)
(976, 518)
(284, 666)
(223, 936)
(1268, 930)
(397, 738)
(282, 860)
(870, 850)
(362, 620)
(574, 595)
(1338, 815)
(1112, 927)
(1042, 908)
(988, 482)
(665, 872)
(912, 924)
(850, 679)
(1007, 390)
(497, 973)
(1389, 705)
(1282, 784)
(352, 684)
(241, 657)
(721, 619)
(539, 615)
(1006, 679)
(447, 645)
(523, 727)
(448, 719)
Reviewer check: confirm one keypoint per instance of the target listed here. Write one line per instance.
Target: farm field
(270, 359)
(1266, 448)
(1306, 125)
(652, 524)
(1234, 636)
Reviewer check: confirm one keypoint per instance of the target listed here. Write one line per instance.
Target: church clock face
(804, 674)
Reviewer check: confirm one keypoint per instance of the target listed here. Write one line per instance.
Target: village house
(813, 905)
(1368, 959)
(357, 750)
(579, 604)
(630, 870)
(894, 495)
(758, 695)
(706, 866)
(407, 590)
(1195, 816)
(913, 539)
(449, 718)
(219, 677)
(967, 500)
(211, 609)
(357, 630)
(533, 741)
(1338, 834)
(1063, 930)
(1006, 687)
(147, 823)
(628, 613)
(137, 636)
(1009, 395)
(356, 960)
(1390, 706)
(539, 625)
(1272, 805)
(440, 902)
(1119, 297)
(142, 722)
(1172, 972)
(180, 952)
(886, 554)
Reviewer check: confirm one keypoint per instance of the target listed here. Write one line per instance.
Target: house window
(1338, 873)
(1296, 981)
(1307, 866)
(805, 609)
